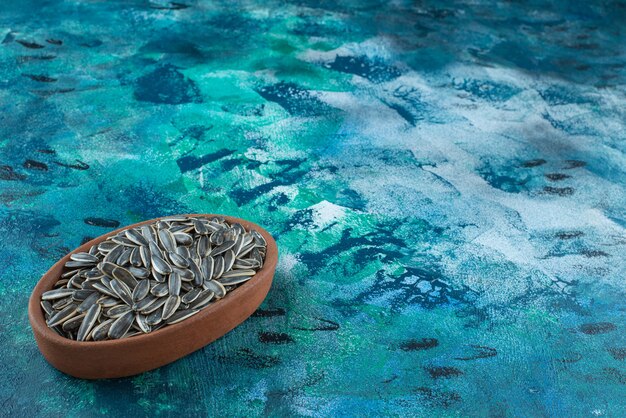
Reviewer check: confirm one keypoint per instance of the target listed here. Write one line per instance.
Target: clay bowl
(133, 355)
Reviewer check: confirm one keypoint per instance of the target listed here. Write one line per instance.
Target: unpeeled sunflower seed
(178, 260)
(88, 322)
(171, 304)
(226, 245)
(122, 291)
(136, 237)
(121, 325)
(181, 316)
(160, 289)
(141, 290)
(62, 316)
(100, 331)
(57, 294)
(73, 324)
(174, 284)
(84, 257)
(160, 265)
(142, 323)
(215, 287)
(88, 302)
(62, 303)
(125, 276)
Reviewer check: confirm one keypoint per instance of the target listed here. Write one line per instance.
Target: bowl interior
(52, 276)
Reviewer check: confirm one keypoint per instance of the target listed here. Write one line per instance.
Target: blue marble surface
(446, 182)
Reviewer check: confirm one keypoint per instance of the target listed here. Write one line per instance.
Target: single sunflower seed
(170, 306)
(85, 258)
(141, 290)
(142, 323)
(125, 276)
(161, 289)
(226, 245)
(136, 237)
(62, 316)
(155, 317)
(174, 284)
(121, 325)
(57, 294)
(191, 295)
(202, 300)
(122, 291)
(117, 311)
(216, 287)
(178, 260)
(88, 302)
(73, 324)
(160, 265)
(180, 316)
(88, 322)
(100, 331)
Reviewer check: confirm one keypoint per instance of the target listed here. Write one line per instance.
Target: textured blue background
(445, 180)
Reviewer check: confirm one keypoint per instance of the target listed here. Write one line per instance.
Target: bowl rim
(46, 282)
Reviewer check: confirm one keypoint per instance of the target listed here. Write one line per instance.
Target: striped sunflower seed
(63, 315)
(144, 303)
(226, 245)
(136, 237)
(160, 265)
(191, 295)
(181, 316)
(88, 302)
(161, 289)
(124, 258)
(144, 253)
(156, 304)
(200, 227)
(183, 238)
(142, 323)
(125, 277)
(121, 325)
(106, 246)
(231, 281)
(135, 257)
(215, 287)
(62, 303)
(122, 291)
(202, 300)
(114, 254)
(100, 331)
(47, 307)
(141, 290)
(178, 260)
(57, 294)
(139, 272)
(229, 260)
(167, 240)
(88, 322)
(108, 302)
(170, 306)
(174, 284)
(73, 324)
(155, 317)
(84, 258)
(117, 311)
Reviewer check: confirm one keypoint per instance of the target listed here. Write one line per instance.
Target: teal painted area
(446, 183)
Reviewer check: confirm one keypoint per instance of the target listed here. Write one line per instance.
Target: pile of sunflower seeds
(148, 277)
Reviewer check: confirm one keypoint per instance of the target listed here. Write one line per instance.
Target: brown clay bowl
(133, 355)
